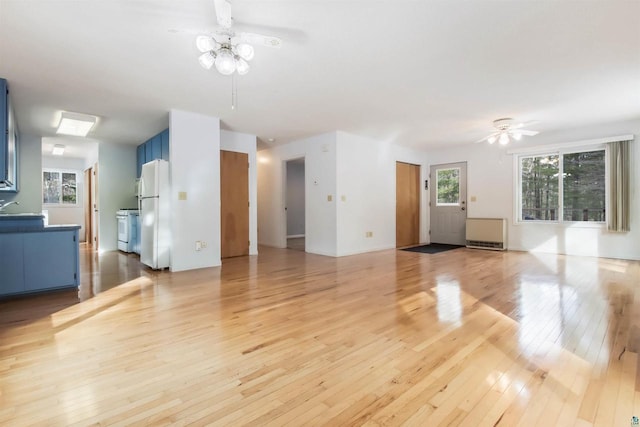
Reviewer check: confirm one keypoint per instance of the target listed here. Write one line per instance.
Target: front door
(448, 203)
(234, 203)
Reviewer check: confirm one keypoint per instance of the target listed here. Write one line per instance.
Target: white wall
(491, 178)
(67, 214)
(195, 170)
(295, 198)
(116, 179)
(362, 170)
(246, 143)
(366, 193)
(320, 183)
(29, 177)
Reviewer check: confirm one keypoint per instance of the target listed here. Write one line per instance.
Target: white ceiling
(418, 73)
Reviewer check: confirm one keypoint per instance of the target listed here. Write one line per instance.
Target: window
(563, 187)
(59, 187)
(448, 186)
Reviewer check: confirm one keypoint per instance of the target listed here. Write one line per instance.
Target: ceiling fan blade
(223, 13)
(527, 132)
(523, 124)
(252, 38)
(487, 137)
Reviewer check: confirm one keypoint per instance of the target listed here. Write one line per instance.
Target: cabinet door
(147, 151)
(4, 125)
(164, 136)
(156, 147)
(11, 267)
(140, 159)
(50, 260)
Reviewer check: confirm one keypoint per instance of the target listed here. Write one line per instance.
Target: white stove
(127, 229)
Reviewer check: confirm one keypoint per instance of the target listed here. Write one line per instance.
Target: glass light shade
(504, 139)
(225, 62)
(205, 43)
(242, 67)
(517, 136)
(207, 59)
(491, 139)
(245, 51)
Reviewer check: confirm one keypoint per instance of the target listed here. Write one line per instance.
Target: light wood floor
(464, 337)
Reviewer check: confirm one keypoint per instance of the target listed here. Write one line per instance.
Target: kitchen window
(562, 187)
(59, 187)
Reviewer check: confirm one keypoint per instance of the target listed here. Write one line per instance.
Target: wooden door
(448, 205)
(95, 213)
(407, 204)
(88, 203)
(234, 203)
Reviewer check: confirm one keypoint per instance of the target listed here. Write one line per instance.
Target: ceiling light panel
(76, 124)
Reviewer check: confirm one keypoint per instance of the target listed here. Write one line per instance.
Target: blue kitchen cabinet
(39, 260)
(50, 260)
(140, 159)
(164, 136)
(11, 255)
(8, 142)
(4, 128)
(156, 148)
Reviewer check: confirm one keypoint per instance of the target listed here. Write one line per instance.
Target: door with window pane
(448, 203)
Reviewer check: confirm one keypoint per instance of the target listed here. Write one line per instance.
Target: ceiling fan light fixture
(207, 60)
(242, 66)
(245, 51)
(205, 43)
(504, 138)
(517, 136)
(225, 62)
(492, 139)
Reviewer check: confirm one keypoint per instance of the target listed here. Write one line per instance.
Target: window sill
(565, 224)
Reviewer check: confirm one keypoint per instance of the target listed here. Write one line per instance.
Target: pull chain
(234, 92)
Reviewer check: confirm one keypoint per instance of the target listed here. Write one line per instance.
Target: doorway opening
(407, 204)
(448, 205)
(295, 204)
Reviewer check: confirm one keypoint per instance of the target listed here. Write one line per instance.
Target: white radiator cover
(487, 233)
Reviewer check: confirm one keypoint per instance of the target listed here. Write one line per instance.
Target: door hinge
(74, 238)
(249, 242)
(429, 204)
(429, 232)
(249, 203)
(75, 276)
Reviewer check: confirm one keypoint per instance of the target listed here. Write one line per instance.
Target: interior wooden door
(95, 212)
(407, 204)
(234, 203)
(87, 206)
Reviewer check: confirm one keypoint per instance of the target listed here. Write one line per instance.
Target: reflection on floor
(296, 243)
(99, 273)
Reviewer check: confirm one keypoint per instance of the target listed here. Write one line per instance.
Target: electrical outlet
(198, 245)
(329, 198)
(204, 244)
(369, 234)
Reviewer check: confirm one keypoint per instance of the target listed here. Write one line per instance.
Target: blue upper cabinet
(8, 142)
(139, 159)
(164, 136)
(4, 125)
(155, 148)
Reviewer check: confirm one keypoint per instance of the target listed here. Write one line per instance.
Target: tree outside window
(448, 186)
(563, 187)
(59, 187)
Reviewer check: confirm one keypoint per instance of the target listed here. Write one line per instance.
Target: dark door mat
(433, 248)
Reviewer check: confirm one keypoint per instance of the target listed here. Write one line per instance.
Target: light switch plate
(182, 195)
(329, 198)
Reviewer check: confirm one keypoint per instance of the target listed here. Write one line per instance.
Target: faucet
(7, 204)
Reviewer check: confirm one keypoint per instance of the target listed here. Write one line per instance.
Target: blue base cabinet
(39, 260)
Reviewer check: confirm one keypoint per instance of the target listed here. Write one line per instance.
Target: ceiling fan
(507, 130)
(228, 50)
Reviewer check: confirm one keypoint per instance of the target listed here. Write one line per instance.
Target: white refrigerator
(153, 197)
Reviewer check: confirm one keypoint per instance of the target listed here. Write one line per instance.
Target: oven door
(123, 228)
